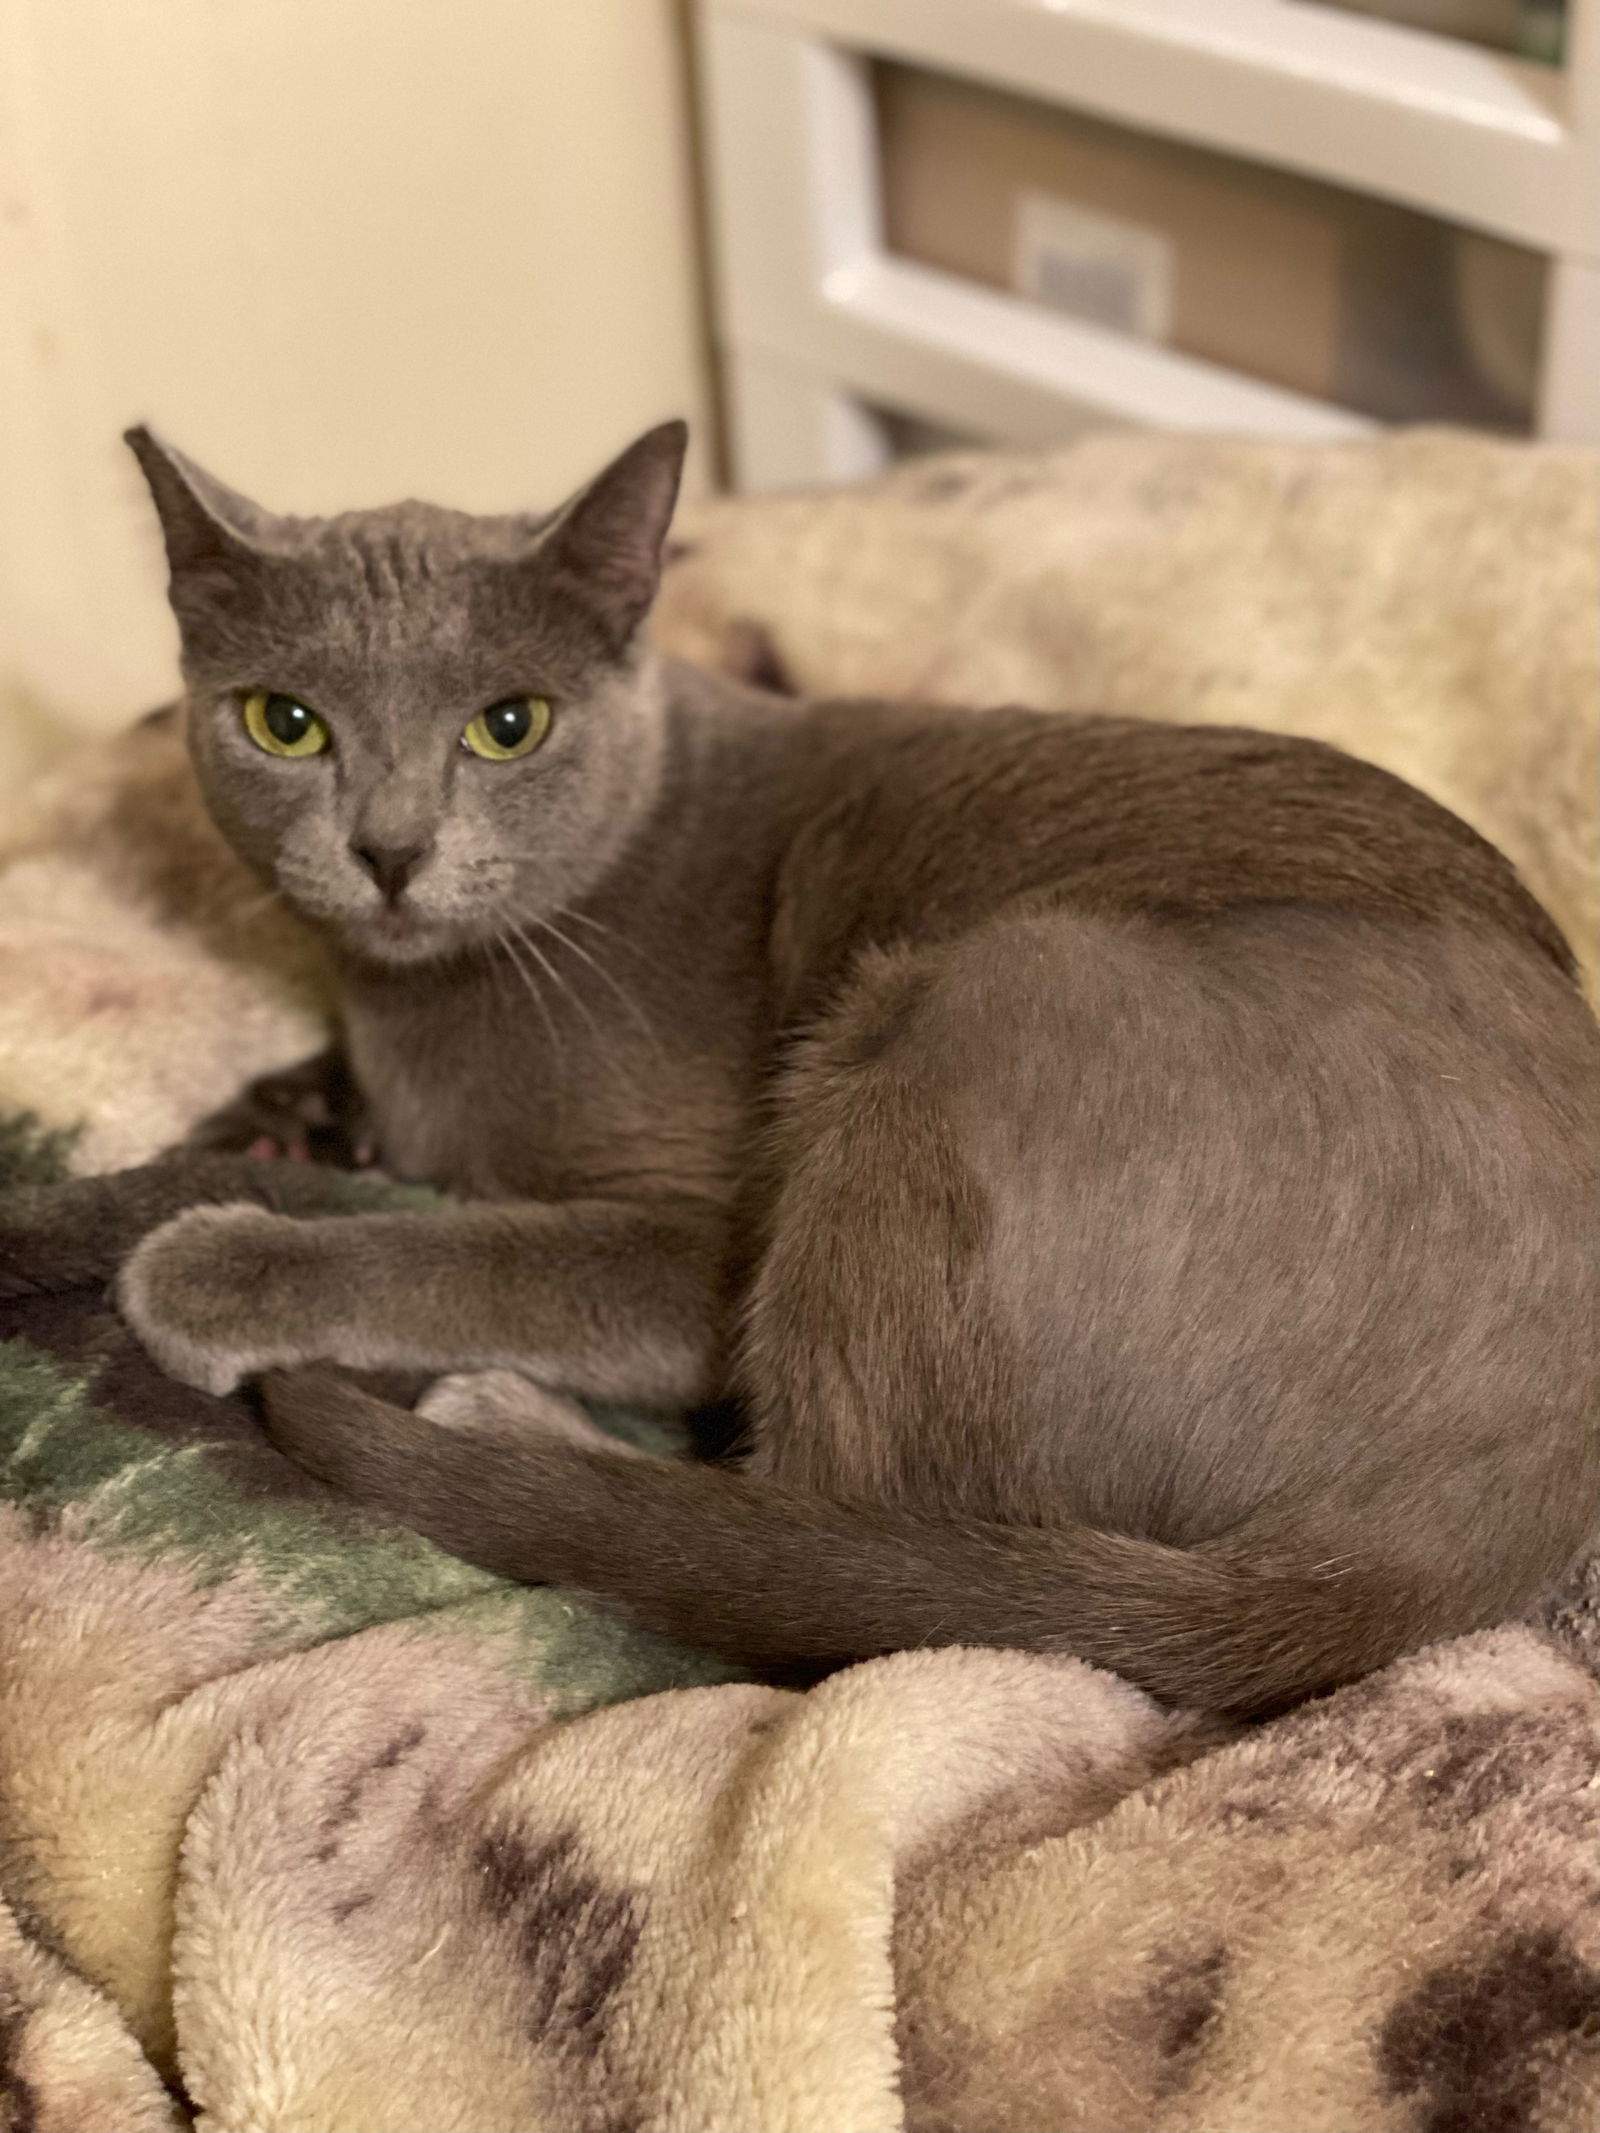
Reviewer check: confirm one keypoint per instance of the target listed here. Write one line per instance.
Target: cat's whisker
(634, 1009)
(582, 918)
(568, 991)
(515, 963)
(610, 933)
(257, 904)
(514, 940)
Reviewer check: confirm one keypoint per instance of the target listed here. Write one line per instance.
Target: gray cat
(1141, 1183)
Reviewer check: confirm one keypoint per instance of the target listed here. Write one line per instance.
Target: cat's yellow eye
(282, 725)
(514, 726)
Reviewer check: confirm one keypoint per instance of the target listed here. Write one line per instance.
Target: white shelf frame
(818, 322)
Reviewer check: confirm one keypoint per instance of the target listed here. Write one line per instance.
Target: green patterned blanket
(163, 1566)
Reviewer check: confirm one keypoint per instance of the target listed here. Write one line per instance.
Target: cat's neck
(542, 1064)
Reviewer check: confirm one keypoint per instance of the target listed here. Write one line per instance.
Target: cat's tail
(787, 1583)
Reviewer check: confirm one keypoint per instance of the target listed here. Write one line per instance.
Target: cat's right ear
(210, 531)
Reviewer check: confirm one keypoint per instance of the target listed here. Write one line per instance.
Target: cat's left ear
(609, 539)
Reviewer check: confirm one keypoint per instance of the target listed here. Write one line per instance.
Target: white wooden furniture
(819, 324)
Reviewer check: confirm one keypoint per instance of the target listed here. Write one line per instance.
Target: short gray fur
(1141, 1182)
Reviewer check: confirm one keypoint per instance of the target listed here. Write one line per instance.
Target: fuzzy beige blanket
(306, 1829)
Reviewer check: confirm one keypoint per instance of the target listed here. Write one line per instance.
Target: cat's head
(421, 726)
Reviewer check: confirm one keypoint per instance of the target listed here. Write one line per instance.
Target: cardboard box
(1305, 285)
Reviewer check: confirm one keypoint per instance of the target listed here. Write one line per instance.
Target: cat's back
(912, 824)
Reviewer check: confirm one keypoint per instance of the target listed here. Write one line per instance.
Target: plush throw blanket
(305, 1828)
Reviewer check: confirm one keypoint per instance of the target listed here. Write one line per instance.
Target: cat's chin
(400, 938)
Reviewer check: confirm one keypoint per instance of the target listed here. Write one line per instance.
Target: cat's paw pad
(308, 1113)
(220, 1293)
(501, 1404)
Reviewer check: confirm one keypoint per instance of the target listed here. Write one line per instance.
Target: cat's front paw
(220, 1293)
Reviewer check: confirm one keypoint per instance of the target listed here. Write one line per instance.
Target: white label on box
(1111, 273)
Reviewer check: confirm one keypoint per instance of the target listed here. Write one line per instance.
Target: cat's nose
(392, 865)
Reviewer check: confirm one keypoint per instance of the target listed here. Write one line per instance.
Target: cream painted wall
(341, 251)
